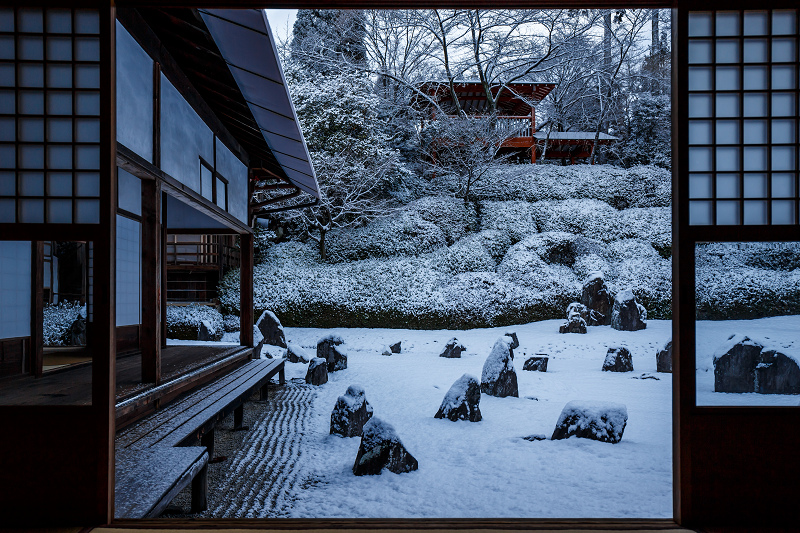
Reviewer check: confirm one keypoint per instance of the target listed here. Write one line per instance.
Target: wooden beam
(37, 307)
(163, 261)
(138, 166)
(246, 318)
(150, 339)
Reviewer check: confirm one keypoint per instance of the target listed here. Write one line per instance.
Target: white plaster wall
(134, 95)
(129, 306)
(15, 289)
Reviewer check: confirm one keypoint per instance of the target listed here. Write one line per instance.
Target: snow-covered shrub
(516, 218)
(451, 215)
(230, 323)
(57, 319)
(639, 186)
(589, 217)
(653, 224)
(637, 265)
(183, 322)
(422, 226)
(397, 234)
(728, 287)
(588, 264)
(470, 254)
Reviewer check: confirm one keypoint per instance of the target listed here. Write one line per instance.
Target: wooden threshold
(396, 525)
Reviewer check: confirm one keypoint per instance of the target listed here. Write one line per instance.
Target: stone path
(262, 474)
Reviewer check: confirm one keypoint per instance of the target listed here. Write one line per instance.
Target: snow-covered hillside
(519, 252)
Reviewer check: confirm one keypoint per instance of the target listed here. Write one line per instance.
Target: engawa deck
(151, 469)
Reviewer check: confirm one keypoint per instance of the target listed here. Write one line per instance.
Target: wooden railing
(202, 254)
(513, 126)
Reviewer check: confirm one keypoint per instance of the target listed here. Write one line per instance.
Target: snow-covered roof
(245, 40)
(573, 136)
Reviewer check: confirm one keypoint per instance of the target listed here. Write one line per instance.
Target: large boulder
(76, 334)
(618, 359)
(453, 349)
(592, 420)
(330, 348)
(743, 364)
(296, 354)
(597, 299)
(536, 364)
(576, 319)
(351, 412)
(462, 400)
(395, 348)
(271, 328)
(498, 377)
(664, 358)
(627, 313)
(317, 373)
(381, 448)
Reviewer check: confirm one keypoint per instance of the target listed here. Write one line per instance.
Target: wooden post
(37, 308)
(246, 320)
(163, 259)
(200, 491)
(533, 139)
(150, 337)
(238, 418)
(207, 440)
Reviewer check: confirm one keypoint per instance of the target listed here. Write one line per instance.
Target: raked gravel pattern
(263, 467)
(263, 473)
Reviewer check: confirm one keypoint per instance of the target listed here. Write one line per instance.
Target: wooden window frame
(696, 430)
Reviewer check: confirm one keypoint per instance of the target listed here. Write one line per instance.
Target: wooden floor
(72, 386)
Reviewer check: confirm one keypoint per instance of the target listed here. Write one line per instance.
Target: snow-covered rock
(536, 364)
(576, 319)
(744, 364)
(204, 331)
(664, 358)
(453, 349)
(462, 401)
(592, 420)
(381, 448)
(514, 340)
(499, 377)
(76, 334)
(351, 412)
(330, 348)
(271, 329)
(317, 373)
(296, 354)
(596, 298)
(386, 351)
(628, 314)
(618, 359)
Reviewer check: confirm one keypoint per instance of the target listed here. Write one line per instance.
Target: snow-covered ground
(486, 469)
(782, 334)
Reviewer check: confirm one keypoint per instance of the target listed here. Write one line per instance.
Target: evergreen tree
(324, 37)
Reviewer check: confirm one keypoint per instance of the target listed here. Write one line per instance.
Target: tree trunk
(323, 252)
(606, 55)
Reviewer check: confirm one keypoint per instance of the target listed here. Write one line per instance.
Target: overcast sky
(281, 22)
